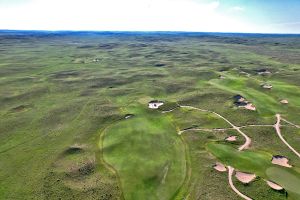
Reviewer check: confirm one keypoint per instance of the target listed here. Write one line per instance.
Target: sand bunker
(240, 101)
(231, 138)
(220, 167)
(245, 177)
(267, 86)
(127, 116)
(155, 104)
(250, 106)
(281, 160)
(263, 71)
(284, 101)
(274, 185)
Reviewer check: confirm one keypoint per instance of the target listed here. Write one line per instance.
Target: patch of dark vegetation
(224, 69)
(87, 92)
(94, 186)
(84, 169)
(86, 47)
(146, 76)
(206, 100)
(134, 55)
(20, 108)
(167, 106)
(60, 115)
(191, 127)
(108, 46)
(82, 55)
(177, 87)
(200, 75)
(75, 149)
(14, 69)
(223, 60)
(160, 65)
(107, 82)
(65, 74)
(34, 93)
(164, 51)
(138, 45)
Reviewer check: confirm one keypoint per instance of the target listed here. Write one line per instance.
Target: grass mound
(77, 174)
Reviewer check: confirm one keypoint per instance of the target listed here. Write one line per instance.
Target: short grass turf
(147, 154)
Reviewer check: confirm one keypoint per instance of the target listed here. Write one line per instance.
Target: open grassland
(64, 97)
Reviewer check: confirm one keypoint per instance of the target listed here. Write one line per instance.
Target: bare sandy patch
(274, 185)
(267, 86)
(284, 101)
(250, 106)
(281, 160)
(231, 138)
(230, 173)
(245, 177)
(220, 167)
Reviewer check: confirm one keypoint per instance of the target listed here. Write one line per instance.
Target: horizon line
(144, 31)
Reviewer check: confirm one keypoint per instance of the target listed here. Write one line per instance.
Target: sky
(251, 16)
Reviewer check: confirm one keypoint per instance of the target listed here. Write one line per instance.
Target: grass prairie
(75, 122)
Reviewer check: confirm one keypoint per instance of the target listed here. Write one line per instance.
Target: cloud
(237, 8)
(284, 27)
(143, 15)
(213, 5)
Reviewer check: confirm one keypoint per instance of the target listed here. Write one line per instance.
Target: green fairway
(147, 154)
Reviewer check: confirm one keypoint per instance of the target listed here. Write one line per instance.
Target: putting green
(148, 155)
(287, 179)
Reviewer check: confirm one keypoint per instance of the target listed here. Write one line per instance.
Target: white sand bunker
(245, 177)
(154, 104)
(220, 167)
(284, 101)
(231, 138)
(250, 106)
(281, 160)
(274, 185)
(267, 86)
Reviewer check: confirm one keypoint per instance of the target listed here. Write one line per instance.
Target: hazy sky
(260, 16)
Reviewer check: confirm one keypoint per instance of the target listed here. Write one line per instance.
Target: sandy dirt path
(247, 143)
(204, 129)
(257, 125)
(230, 173)
(277, 128)
(297, 126)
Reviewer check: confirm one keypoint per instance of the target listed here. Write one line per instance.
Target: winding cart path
(247, 143)
(230, 173)
(278, 131)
